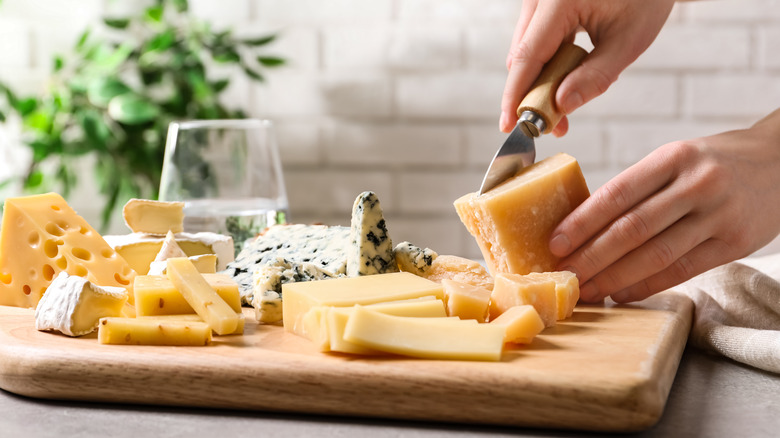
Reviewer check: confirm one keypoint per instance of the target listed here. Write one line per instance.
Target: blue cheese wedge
(411, 258)
(322, 246)
(371, 249)
(73, 306)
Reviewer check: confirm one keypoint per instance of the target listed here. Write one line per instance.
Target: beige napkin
(737, 311)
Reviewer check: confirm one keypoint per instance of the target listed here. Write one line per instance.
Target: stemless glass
(227, 173)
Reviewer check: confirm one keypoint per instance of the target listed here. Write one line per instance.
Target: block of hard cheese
(345, 292)
(466, 301)
(42, 236)
(154, 217)
(459, 269)
(204, 300)
(567, 290)
(521, 324)
(512, 222)
(432, 338)
(156, 295)
(516, 290)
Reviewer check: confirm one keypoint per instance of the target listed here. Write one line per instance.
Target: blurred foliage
(116, 94)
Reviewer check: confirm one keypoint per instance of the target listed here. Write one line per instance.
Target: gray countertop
(711, 397)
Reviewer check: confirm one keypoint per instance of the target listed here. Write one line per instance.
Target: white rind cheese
(414, 259)
(72, 305)
(136, 245)
(371, 249)
(324, 247)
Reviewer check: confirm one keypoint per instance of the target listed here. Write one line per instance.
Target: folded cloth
(737, 311)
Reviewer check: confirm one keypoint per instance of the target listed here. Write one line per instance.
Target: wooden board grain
(608, 368)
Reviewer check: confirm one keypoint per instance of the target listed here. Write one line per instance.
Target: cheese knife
(537, 114)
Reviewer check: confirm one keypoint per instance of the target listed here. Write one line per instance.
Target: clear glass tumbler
(227, 173)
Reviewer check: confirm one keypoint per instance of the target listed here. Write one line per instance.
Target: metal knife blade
(518, 151)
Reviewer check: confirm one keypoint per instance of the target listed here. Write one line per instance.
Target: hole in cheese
(85, 231)
(50, 248)
(80, 271)
(54, 229)
(61, 263)
(108, 253)
(6, 278)
(26, 289)
(48, 272)
(55, 207)
(121, 280)
(34, 239)
(81, 253)
(33, 274)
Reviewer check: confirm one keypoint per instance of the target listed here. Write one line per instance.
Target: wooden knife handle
(541, 98)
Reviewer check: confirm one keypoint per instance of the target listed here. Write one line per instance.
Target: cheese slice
(73, 306)
(154, 217)
(156, 294)
(345, 292)
(203, 299)
(512, 222)
(138, 331)
(459, 269)
(42, 236)
(466, 301)
(521, 324)
(516, 290)
(193, 317)
(432, 338)
(140, 249)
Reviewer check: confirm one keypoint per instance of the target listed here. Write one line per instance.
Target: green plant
(117, 93)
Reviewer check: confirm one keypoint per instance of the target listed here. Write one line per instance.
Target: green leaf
(95, 129)
(154, 14)
(109, 59)
(58, 63)
(117, 23)
(2, 117)
(270, 61)
(219, 85)
(33, 180)
(161, 41)
(82, 39)
(26, 106)
(227, 55)
(261, 41)
(132, 109)
(253, 74)
(102, 90)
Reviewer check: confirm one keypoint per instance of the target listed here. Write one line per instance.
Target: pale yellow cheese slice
(466, 301)
(154, 217)
(516, 290)
(512, 223)
(432, 338)
(204, 300)
(521, 324)
(42, 236)
(156, 294)
(299, 297)
(193, 317)
(138, 331)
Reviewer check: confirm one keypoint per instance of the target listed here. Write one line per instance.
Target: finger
(561, 128)
(526, 12)
(707, 255)
(658, 254)
(610, 201)
(541, 39)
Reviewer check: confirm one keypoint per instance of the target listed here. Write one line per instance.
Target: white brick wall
(402, 96)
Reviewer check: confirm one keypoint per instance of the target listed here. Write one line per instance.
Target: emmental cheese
(135, 331)
(154, 217)
(156, 294)
(300, 297)
(203, 299)
(512, 223)
(42, 236)
(432, 338)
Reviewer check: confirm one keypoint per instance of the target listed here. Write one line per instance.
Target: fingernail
(571, 102)
(503, 121)
(589, 292)
(560, 245)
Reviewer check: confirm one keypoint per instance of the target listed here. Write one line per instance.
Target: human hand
(686, 208)
(619, 29)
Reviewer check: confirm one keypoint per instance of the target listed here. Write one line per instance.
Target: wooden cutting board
(608, 368)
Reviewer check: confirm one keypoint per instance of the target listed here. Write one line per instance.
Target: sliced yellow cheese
(299, 297)
(141, 249)
(42, 236)
(156, 294)
(203, 299)
(154, 217)
(567, 290)
(516, 290)
(337, 317)
(193, 317)
(459, 269)
(136, 331)
(432, 338)
(521, 324)
(512, 222)
(466, 301)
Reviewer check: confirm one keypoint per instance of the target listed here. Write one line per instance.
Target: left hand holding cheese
(686, 208)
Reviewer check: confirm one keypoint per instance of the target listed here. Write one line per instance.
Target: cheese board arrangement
(333, 319)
